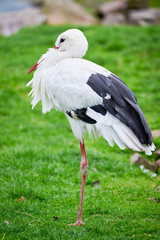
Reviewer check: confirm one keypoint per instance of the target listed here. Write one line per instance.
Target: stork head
(70, 44)
(73, 43)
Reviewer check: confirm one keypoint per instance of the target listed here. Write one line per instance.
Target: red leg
(84, 169)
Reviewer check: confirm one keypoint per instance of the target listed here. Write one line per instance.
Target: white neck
(52, 57)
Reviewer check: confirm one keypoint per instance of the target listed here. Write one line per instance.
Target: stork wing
(120, 101)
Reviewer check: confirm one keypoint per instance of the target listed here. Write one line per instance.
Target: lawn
(40, 158)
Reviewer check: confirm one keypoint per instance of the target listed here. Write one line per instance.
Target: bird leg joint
(84, 167)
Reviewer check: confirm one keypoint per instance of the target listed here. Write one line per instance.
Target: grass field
(40, 157)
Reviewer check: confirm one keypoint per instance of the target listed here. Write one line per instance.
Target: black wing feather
(122, 104)
(81, 114)
(100, 109)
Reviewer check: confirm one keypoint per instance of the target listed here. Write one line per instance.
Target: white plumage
(105, 107)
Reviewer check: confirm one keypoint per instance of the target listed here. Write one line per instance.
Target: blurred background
(15, 14)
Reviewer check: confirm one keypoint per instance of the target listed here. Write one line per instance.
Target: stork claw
(77, 223)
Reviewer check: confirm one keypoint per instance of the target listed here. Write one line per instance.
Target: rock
(11, 22)
(144, 17)
(96, 184)
(66, 12)
(113, 13)
(157, 16)
(22, 199)
(141, 161)
(110, 7)
(137, 159)
(153, 199)
(157, 152)
(156, 133)
(133, 12)
(6, 222)
(114, 19)
(138, 4)
(157, 165)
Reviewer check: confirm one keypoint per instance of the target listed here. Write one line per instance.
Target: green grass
(40, 157)
(154, 3)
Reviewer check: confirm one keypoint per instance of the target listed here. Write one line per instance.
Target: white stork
(93, 99)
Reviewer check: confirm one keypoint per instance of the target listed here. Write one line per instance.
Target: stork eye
(62, 40)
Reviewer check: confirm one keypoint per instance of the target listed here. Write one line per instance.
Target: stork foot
(77, 223)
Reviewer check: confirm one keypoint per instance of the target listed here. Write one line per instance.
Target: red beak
(55, 47)
(33, 68)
